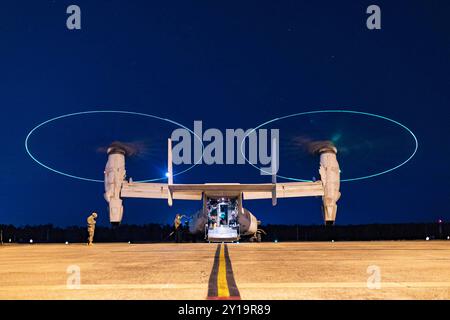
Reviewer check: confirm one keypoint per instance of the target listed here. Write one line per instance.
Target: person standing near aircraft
(91, 227)
(178, 229)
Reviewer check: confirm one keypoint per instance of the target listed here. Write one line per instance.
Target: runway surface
(305, 270)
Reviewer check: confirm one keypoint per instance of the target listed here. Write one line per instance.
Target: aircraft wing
(156, 191)
(195, 191)
(288, 190)
(171, 191)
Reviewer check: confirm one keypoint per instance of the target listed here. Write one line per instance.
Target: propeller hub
(328, 149)
(117, 148)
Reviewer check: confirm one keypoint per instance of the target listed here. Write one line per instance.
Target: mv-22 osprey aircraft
(222, 217)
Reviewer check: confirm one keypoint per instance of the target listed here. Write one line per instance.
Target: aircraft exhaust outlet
(330, 177)
(114, 176)
(198, 222)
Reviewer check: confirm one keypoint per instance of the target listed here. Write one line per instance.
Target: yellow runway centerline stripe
(222, 283)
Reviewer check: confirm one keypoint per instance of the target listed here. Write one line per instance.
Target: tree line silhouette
(162, 233)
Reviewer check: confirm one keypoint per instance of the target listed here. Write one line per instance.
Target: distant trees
(404, 231)
(161, 233)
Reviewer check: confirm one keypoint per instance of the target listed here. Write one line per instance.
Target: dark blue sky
(232, 64)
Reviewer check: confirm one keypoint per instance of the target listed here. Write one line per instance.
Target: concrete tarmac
(304, 270)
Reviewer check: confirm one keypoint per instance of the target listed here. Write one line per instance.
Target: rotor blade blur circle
(74, 145)
(368, 145)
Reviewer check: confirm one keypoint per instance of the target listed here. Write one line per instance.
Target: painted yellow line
(222, 283)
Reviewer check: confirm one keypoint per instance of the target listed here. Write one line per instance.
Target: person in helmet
(178, 229)
(91, 227)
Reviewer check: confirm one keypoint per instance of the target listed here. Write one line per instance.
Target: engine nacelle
(330, 177)
(114, 176)
(247, 222)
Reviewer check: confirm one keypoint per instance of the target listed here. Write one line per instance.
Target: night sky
(231, 64)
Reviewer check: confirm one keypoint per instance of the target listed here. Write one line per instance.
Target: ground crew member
(91, 227)
(178, 229)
